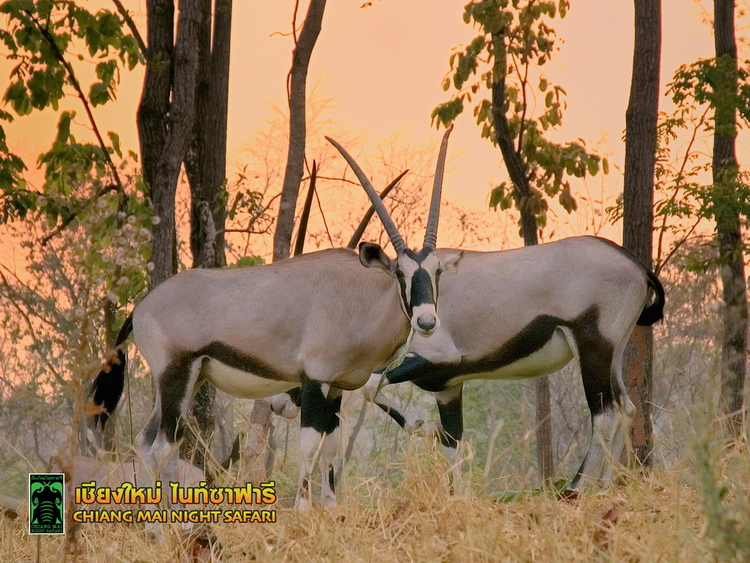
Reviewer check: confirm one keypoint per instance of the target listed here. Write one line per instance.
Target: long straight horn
(390, 227)
(430, 237)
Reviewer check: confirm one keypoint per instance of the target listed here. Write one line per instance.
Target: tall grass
(694, 512)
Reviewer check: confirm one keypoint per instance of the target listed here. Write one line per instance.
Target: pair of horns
(430, 238)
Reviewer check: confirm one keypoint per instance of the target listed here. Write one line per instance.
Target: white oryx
(320, 320)
(526, 313)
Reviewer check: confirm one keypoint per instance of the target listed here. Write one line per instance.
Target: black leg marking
(295, 396)
(173, 390)
(150, 431)
(394, 414)
(318, 412)
(595, 354)
(451, 418)
(331, 478)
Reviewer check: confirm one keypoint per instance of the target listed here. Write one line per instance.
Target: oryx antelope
(526, 313)
(320, 320)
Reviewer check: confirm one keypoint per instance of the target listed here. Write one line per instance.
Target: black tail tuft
(108, 385)
(654, 311)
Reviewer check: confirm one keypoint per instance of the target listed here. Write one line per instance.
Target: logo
(46, 503)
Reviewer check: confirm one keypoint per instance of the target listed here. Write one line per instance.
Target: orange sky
(384, 66)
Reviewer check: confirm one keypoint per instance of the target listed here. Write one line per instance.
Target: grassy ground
(696, 512)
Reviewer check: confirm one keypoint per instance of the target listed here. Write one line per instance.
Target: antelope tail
(108, 385)
(654, 311)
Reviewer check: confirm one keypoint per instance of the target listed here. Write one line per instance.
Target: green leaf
(246, 261)
(115, 138)
(99, 94)
(497, 195)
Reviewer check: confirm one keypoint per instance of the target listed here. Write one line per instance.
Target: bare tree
(297, 128)
(259, 439)
(519, 177)
(725, 175)
(165, 117)
(638, 203)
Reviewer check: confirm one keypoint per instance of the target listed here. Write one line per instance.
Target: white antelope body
(526, 313)
(321, 320)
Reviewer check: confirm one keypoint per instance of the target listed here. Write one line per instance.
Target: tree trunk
(157, 84)
(162, 167)
(206, 162)
(519, 177)
(152, 119)
(205, 165)
(725, 171)
(638, 202)
(282, 239)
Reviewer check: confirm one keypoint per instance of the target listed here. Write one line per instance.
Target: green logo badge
(46, 503)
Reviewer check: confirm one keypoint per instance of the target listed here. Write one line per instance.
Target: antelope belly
(242, 384)
(553, 356)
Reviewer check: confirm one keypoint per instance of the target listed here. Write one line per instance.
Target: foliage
(688, 195)
(514, 43)
(44, 37)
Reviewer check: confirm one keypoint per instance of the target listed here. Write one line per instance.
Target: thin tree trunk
(206, 161)
(157, 84)
(282, 239)
(725, 170)
(180, 124)
(206, 169)
(519, 177)
(638, 203)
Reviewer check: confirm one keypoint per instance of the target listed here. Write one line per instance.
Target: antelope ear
(372, 256)
(449, 262)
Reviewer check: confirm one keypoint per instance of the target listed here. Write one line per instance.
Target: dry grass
(664, 516)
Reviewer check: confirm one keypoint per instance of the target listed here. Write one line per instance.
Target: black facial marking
(421, 288)
(402, 292)
(317, 411)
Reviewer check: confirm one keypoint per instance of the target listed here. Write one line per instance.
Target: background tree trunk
(725, 171)
(167, 125)
(259, 437)
(205, 165)
(638, 202)
(152, 116)
(206, 161)
(282, 239)
(519, 177)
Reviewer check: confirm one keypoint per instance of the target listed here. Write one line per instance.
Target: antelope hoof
(414, 427)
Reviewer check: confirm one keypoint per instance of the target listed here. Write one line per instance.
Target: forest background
(376, 95)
